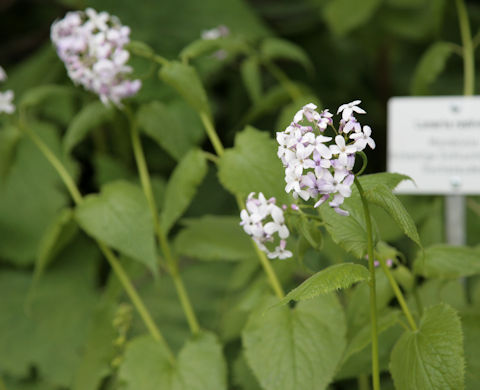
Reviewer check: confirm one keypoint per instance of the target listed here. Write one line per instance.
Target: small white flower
(6, 102)
(363, 139)
(348, 109)
(342, 150)
(215, 33)
(307, 111)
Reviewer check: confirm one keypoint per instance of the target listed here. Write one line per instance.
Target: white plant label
(435, 141)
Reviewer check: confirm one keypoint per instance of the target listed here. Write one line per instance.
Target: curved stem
(212, 134)
(399, 295)
(372, 283)
(107, 252)
(172, 262)
(468, 49)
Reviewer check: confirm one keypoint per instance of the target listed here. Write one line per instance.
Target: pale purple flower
(91, 45)
(264, 221)
(342, 150)
(215, 33)
(308, 112)
(6, 102)
(348, 109)
(352, 124)
(363, 139)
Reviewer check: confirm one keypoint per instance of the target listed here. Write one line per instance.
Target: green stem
(362, 381)
(220, 150)
(372, 283)
(172, 263)
(109, 255)
(468, 49)
(212, 134)
(399, 295)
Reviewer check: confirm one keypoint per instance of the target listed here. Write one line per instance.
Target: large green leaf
(185, 80)
(432, 357)
(182, 187)
(389, 179)
(30, 198)
(348, 232)
(445, 261)
(343, 16)
(164, 126)
(47, 331)
(90, 118)
(382, 196)
(252, 165)
(276, 48)
(430, 66)
(120, 217)
(330, 279)
(214, 238)
(296, 348)
(199, 366)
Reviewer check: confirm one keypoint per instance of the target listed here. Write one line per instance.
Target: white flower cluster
(91, 46)
(261, 220)
(315, 167)
(6, 98)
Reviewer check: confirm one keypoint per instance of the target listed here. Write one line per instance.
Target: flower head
(3, 74)
(264, 221)
(6, 102)
(91, 45)
(315, 167)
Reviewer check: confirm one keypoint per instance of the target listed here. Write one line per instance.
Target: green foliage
(296, 348)
(185, 80)
(48, 330)
(471, 330)
(251, 76)
(182, 187)
(276, 48)
(58, 235)
(30, 198)
(214, 238)
(120, 217)
(200, 365)
(9, 138)
(382, 196)
(90, 118)
(343, 16)
(252, 166)
(431, 65)
(433, 355)
(40, 94)
(330, 279)
(445, 261)
(166, 128)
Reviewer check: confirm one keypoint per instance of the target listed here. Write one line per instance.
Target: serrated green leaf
(120, 217)
(38, 95)
(343, 16)
(214, 238)
(330, 279)
(163, 126)
(445, 261)
(99, 350)
(391, 180)
(382, 196)
(296, 348)
(185, 80)
(252, 165)
(182, 187)
(430, 66)
(274, 48)
(432, 357)
(49, 332)
(200, 365)
(88, 119)
(252, 79)
(58, 235)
